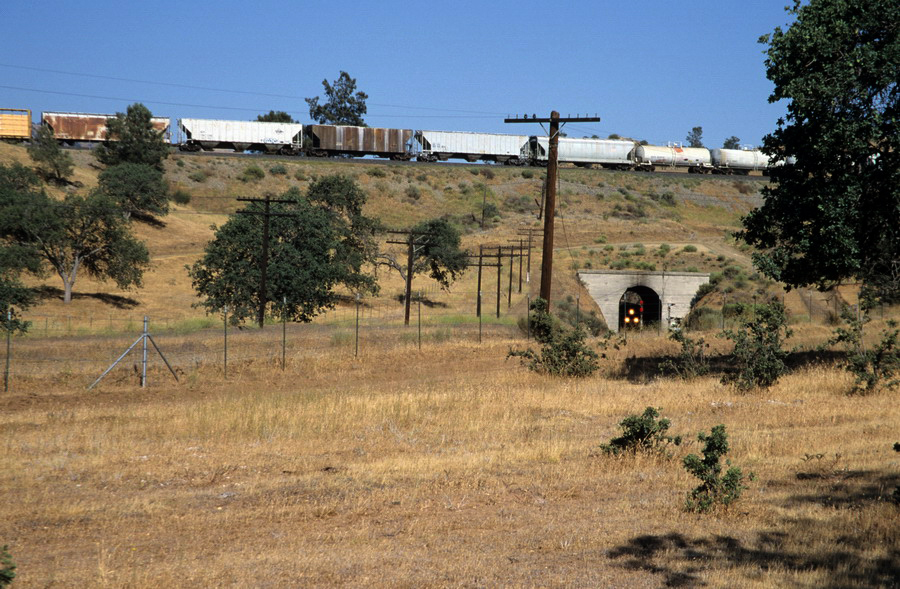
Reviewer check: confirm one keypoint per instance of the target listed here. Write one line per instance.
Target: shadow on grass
(119, 302)
(643, 369)
(834, 548)
(425, 301)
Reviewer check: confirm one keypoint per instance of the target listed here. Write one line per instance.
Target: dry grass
(449, 467)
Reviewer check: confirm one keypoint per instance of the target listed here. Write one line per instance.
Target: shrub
(563, 351)
(600, 239)
(664, 250)
(757, 358)
(702, 291)
(198, 175)
(7, 567)
(181, 197)
(179, 163)
(252, 173)
(874, 368)
(487, 173)
(715, 488)
(413, 192)
(527, 174)
(642, 433)
(490, 211)
(689, 248)
(278, 170)
(691, 361)
(376, 173)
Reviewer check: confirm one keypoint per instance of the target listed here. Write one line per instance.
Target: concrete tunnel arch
(651, 304)
(674, 291)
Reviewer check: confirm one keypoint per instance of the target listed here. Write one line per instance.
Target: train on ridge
(401, 144)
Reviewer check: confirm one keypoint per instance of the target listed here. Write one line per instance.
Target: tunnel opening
(639, 307)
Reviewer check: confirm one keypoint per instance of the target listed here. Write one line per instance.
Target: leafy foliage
(732, 143)
(832, 214)
(7, 567)
(275, 116)
(343, 105)
(318, 241)
(642, 433)
(51, 160)
(87, 233)
(691, 361)
(695, 137)
(758, 357)
(563, 351)
(715, 488)
(130, 137)
(873, 368)
(139, 189)
(440, 254)
(14, 258)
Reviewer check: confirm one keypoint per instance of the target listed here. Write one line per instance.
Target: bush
(873, 369)
(702, 291)
(252, 173)
(278, 170)
(715, 488)
(691, 361)
(689, 248)
(198, 175)
(757, 358)
(7, 567)
(487, 173)
(642, 433)
(181, 197)
(413, 192)
(527, 174)
(563, 351)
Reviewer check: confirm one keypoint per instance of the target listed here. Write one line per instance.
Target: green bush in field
(642, 433)
(715, 488)
(252, 173)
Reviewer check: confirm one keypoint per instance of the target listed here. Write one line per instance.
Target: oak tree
(832, 211)
(344, 105)
(131, 137)
(51, 161)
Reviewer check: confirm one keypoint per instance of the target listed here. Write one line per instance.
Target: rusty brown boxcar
(79, 126)
(325, 140)
(15, 123)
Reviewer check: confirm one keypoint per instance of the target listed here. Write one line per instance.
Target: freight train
(402, 144)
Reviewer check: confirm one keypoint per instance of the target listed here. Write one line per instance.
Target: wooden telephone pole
(552, 174)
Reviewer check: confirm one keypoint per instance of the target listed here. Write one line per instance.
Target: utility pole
(264, 263)
(412, 242)
(552, 173)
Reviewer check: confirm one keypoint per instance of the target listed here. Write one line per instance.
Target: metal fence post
(420, 319)
(283, 331)
(225, 324)
(144, 354)
(356, 349)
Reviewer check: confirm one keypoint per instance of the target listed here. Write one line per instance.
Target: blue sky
(650, 70)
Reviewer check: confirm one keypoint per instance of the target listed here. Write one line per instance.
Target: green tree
(139, 189)
(758, 356)
(318, 241)
(15, 297)
(343, 105)
(831, 212)
(79, 233)
(695, 137)
(52, 162)
(131, 137)
(275, 116)
(732, 143)
(436, 251)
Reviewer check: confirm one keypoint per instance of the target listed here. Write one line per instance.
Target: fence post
(283, 331)
(420, 319)
(479, 317)
(225, 324)
(356, 349)
(8, 349)
(144, 353)
(528, 318)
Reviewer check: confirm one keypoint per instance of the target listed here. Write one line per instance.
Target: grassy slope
(446, 467)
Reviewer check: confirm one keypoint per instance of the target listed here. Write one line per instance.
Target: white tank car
(609, 153)
(739, 161)
(695, 159)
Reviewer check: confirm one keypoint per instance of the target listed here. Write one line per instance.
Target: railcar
(432, 146)
(696, 159)
(617, 154)
(72, 127)
(269, 137)
(335, 140)
(738, 161)
(15, 124)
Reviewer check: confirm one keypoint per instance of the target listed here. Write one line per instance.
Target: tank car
(432, 146)
(738, 161)
(696, 159)
(608, 153)
(72, 127)
(209, 134)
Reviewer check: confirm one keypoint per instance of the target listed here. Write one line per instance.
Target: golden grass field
(449, 466)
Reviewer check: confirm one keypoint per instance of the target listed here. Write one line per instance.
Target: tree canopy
(15, 297)
(343, 104)
(318, 241)
(79, 233)
(131, 137)
(695, 137)
(51, 161)
(275, 116)
(832, 212)
(139, 190)
(732, 142)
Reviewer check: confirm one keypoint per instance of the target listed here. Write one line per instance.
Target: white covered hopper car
(490, 147)
(608, 153)
(209, 134)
